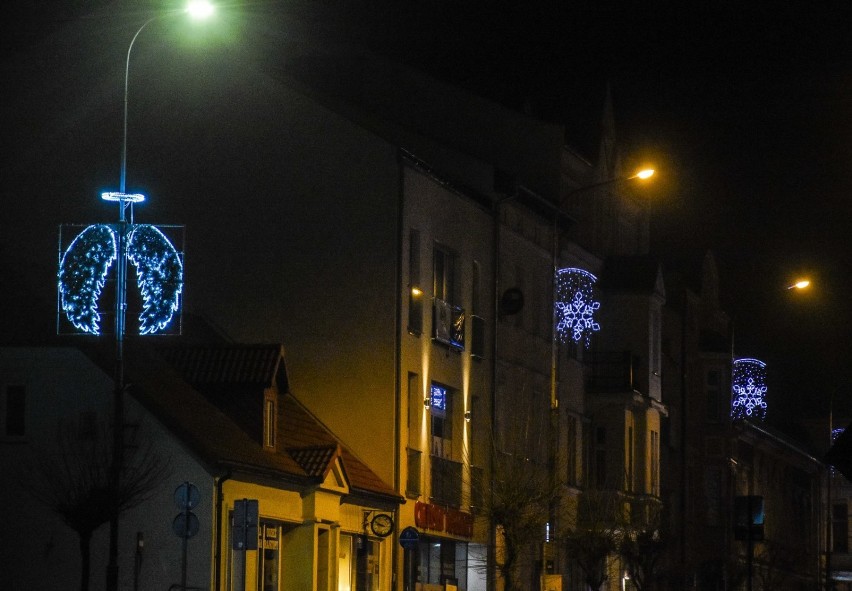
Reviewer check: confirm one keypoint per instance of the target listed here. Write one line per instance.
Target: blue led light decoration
(749, 389)
(575, 306)
(85, 264)
(82, 274)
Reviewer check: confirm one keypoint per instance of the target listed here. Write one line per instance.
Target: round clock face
(382, 525)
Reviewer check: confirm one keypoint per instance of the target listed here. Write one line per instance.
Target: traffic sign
(409, 537)
(185, 524)
(187, 496)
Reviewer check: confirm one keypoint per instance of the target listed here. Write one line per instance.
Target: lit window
(439, 398)
(269, 426)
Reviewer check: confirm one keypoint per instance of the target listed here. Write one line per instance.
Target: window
(655, 463)
(629, 460)
(268, 556)
(412, 483)
(573, 450)
(448, 319)
(15, 409)
(442, 562)
(475, 304)
(270, 416)
(445, 473)
(477, 344)
(415, 289)
(600, 457)
(840, 528)
(713, 395)
(443, 286)
(656, 327)
(442, 423)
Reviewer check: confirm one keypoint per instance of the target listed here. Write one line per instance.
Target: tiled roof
(316, 461)
(206, 426)
(226, 364)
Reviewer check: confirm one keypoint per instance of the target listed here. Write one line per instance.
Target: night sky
(747, 113)
(746, 108)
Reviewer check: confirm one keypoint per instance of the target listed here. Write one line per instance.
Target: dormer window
(270, 414)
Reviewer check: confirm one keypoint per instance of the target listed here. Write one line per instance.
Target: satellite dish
(512, 301)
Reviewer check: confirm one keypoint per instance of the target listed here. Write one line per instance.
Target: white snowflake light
(749, 389)
(575, 305)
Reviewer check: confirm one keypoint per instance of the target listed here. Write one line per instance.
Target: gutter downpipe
(397, 460)
(491, 566)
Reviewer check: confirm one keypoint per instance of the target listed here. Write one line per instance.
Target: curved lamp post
(197, 9)
(578, 310)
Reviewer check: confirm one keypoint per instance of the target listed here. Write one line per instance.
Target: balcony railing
(448, 323)
(446, 477)
(611, 371)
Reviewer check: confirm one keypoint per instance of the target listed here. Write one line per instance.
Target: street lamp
(580, 310)
(197, 9)
(800, 284)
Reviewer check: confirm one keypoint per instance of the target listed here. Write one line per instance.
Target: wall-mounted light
(416, 291)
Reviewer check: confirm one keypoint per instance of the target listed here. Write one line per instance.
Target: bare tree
(592, 533)
(518, 494)
(73, 479)
(642, 549)
(773, 566)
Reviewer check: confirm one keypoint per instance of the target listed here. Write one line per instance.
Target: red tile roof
(209, 430)
(231, 364)
(316, 461)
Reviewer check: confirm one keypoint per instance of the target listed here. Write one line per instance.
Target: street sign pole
(408, 539)
(244, 537)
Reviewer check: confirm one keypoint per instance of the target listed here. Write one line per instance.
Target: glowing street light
(643, 174)
(801, 284)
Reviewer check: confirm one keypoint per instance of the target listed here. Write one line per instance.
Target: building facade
(209, 431)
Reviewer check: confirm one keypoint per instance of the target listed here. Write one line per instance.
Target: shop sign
(441, 519)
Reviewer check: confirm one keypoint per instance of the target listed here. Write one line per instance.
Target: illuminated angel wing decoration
(159, 275)
(82, 272)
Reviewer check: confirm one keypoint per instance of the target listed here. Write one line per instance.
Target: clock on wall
(382, 524)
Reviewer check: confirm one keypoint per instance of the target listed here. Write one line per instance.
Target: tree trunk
(85, 559)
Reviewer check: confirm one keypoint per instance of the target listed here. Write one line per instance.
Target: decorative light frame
(85, 264)
(575, 306)
(749, 389)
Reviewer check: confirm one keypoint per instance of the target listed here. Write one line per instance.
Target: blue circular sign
(409, 537)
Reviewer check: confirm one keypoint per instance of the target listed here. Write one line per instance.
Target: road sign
(409, 537)
(185, 524)
(245, 521)
(187, 496)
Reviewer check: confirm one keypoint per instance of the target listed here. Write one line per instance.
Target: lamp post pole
(554, 338)
(197, 9)
(557, 212)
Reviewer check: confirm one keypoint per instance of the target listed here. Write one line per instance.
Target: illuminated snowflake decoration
(575, 305)
(84, 266)
(749, 389)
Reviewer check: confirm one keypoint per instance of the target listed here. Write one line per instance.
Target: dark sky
(745, 107)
